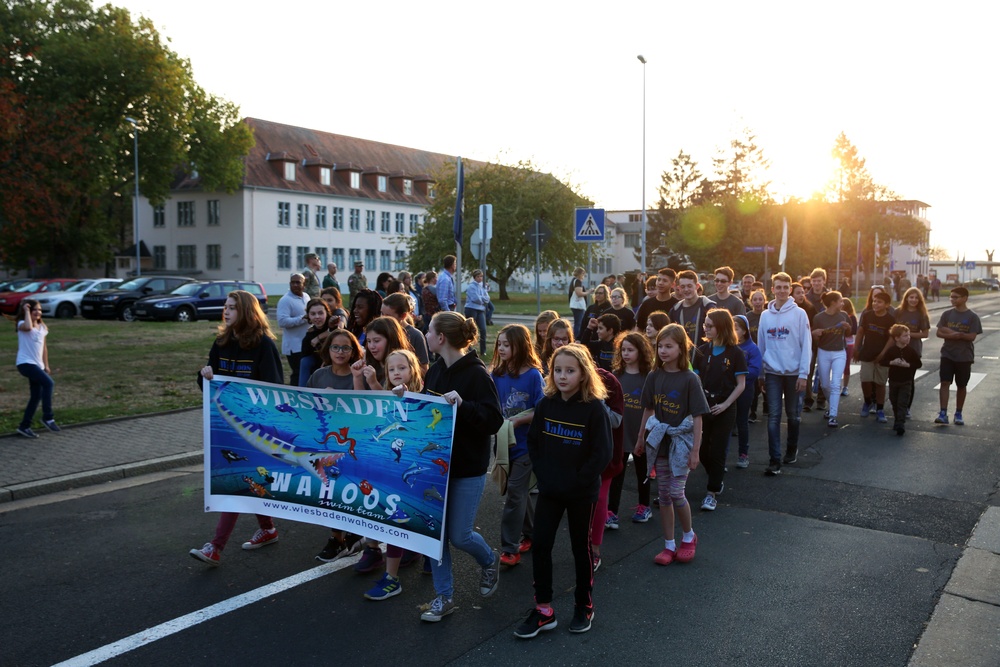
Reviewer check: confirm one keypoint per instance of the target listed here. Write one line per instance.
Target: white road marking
(974, 380)
(986, 317)
(150, 635)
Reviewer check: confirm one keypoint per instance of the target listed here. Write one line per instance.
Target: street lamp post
(135, 203)
(642, 241)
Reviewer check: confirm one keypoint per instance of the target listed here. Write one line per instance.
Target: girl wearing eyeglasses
(341, 350)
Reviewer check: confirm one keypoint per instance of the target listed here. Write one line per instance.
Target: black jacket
(260, 363)
(479, 416)
(570, 444)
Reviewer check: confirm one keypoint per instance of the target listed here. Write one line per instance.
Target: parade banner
(366, 462)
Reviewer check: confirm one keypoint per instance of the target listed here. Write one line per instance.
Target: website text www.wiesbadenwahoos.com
(362, 524)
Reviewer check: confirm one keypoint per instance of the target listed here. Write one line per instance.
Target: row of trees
(70, 73)
(712, 218)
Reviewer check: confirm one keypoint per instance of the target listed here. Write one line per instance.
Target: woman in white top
(33, 363)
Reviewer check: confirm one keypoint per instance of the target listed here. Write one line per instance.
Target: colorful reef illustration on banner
(366, 462)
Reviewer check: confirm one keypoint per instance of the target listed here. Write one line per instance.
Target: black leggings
(618, 481)
(715, 434)
(548, 515)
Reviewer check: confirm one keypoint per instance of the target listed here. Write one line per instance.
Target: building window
(338, 218)
(322, 255)
(324, 175)
(385, 222)
(400, 223)
(414, 220)
(337, 257)
(159, 215)
(635, 217)
(302, 216)
(400, 260)
(407, 186)
(289, 171)
(355, 256)
(355, 219)
(284, 214)
(369, 221)
(431, 191)
(632, 240)
(185, 214)
(355, 179)
(186, 257)
(382, 183)
(159, 257)
(213, 212)
(384, 260)
(321, 217)
(300, 255)
(284, 257)
(369, 260)
(213, 257)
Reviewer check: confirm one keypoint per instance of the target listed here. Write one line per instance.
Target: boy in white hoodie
(785, 343)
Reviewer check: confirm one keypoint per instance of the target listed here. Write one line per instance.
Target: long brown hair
(560, 324)
(544, 317)
(522, 352)
(725, 331)
(679, 335)
(591, 386)
(390, 329)
(641, 344)
(251, 323)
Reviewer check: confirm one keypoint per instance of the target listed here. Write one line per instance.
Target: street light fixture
(135, 203)
(642, 251)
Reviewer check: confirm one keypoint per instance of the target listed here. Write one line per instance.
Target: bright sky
(912, 84)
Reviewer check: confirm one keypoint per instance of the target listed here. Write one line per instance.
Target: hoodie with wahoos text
(785, 340)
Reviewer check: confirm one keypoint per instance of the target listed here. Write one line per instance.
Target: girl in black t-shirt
(722, 367)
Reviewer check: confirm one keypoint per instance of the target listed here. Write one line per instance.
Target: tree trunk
(502, 284)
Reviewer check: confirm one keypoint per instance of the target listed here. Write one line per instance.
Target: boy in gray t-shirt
(958, 327)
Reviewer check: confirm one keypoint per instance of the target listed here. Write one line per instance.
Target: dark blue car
(202, 300)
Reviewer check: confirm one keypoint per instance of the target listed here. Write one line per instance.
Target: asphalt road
(840, 561)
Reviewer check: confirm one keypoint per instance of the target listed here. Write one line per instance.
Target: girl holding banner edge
(244, 347)
(461, 378)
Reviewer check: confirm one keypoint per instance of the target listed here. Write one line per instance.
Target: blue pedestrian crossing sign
(589, 225)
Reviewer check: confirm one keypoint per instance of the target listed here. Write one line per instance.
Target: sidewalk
(98, 452)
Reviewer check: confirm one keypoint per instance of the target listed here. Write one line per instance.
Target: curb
(98, 476)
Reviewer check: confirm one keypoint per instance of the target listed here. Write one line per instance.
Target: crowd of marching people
(562, 407)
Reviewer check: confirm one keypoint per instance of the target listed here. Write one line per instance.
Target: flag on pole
(861, 262)
(459, 201)
(784, 242)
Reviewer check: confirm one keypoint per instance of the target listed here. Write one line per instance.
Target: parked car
(992, 284)
(66, 303)
(10, 301)
(11, 285)
(118, 302)
(195, 301)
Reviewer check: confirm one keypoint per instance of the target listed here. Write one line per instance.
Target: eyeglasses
(340, 348)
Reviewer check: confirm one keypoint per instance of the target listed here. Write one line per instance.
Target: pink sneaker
(207, 554)
(260, 538)
(665, 557)
(685, 553)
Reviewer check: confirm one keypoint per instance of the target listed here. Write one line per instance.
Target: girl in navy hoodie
(570, 444)
(461, 378)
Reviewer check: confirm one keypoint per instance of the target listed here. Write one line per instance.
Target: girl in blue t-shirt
(516, 371)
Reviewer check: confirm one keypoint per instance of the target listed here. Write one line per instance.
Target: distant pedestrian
(310, 275)
(958, 327)
(294, 323)
(446, 293)
(33, 363)
(357, 281)
(830, 329)
(330, 279)
(244, 347)
(578, 298)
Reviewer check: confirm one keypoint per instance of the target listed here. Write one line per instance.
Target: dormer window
(407, 186)
(431, 191)
(289, 171)
(355, 179)
(324, 175)
(383, 183)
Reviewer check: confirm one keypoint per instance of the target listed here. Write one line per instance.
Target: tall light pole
(135, 202)
(642, 251)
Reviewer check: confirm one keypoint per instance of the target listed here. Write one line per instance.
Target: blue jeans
(480, 317)
(41, 390)
(743, 416)
(781, 389)
(464, 494)
(577, 320)
(307, 365)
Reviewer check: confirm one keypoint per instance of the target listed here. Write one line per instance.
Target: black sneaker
(535, 623)
(791, 456)
(52, 426)
(333, 550)
(773, 469)
(581, 619)
(27, 432)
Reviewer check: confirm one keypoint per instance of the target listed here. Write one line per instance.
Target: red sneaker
(510, 560)
(685, 553)
(525, 545)
(261, 538)
(207, 554)
(665, 557)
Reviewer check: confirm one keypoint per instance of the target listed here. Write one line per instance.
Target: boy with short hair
(902, 361)
(662, 299)
(958, 327)
(723, 297)
(690, 311)
(605, 328)
(870, 344)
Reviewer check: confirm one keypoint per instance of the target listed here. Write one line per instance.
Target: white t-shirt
(30, 345)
